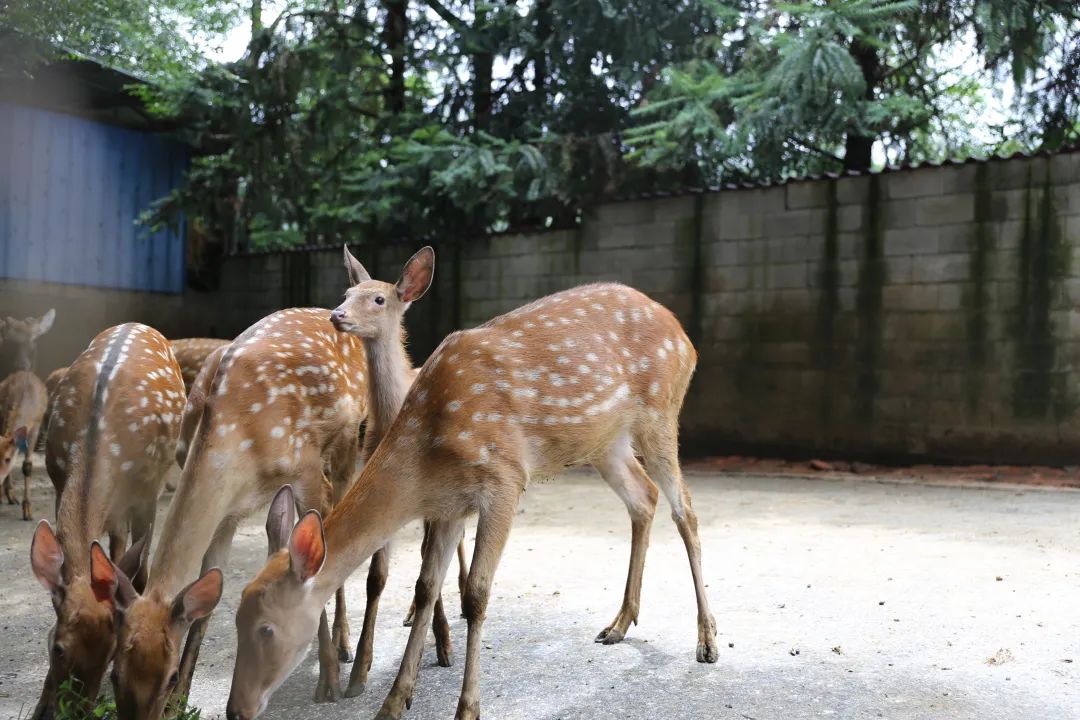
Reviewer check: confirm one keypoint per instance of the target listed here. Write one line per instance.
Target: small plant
(71, 705)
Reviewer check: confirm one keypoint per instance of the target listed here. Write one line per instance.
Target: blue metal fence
(70, 192)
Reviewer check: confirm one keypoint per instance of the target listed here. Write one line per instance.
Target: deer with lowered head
(374, 312)
(595, 374)
(23, 397)
(286, 401)
(115, 417)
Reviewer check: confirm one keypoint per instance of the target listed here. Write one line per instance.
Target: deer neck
(389, 379)
(381, 502)
(203, 499)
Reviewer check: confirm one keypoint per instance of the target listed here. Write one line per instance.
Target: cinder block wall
(916, 313)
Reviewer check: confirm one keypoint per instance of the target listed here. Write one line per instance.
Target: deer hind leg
(492, 531)
(661, 453)
(440, 626)
(463, 569)
(627, 478)
(343, 467)
(9, 494)
(217, 555)
(376, 581)
(27, 471)
(439, 543)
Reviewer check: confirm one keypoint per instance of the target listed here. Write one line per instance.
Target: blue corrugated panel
(71, 191)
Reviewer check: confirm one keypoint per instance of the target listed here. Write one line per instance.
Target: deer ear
(136, 556)
(199, 598)
(307, 546)
(280, 519)
(417, 275)
(356, 272)
(43, 324)
(47, 558)
(104, 576)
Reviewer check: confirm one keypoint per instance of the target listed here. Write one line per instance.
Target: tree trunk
(256, 17)
(482, 64)
(540, 57)
(858, 148)
(394, 36)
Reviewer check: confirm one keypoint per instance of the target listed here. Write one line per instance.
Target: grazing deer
(192, 354)
(23, 399)
(373, 311)
(196, 399)
(115, 417)
(287, 399)
(595, 375)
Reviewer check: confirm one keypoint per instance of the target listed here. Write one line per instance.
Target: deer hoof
(610, 636)
(26, 513)
(444, 656)
(344, 654)
(408, 621)
(355, 689)
(327, 692)
(708, 652)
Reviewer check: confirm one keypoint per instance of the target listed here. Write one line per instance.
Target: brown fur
(596, 375)
(286, 400)
(116, 413)
(23, 400)
(192, 354)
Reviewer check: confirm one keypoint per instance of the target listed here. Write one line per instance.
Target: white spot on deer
(114, 449)
(277, 432)
(526, 392)
(453, 405)
(478, 388)
(654, 388)
(127, 465)
(661, 353)
(464, 435)
(550, 420)
(584, 369)
(644, 363)
(563, 360)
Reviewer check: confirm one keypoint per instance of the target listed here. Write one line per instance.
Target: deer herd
(595, 375)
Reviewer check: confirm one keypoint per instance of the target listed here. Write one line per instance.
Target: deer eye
(58, 650)
(266, 631)
(380, 300)
(174, 678)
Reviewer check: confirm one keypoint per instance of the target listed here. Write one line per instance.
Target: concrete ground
(847, 598)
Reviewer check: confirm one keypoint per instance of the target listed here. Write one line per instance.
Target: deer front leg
(376, 581)
(27, 470)
(329, 688)
(492, 531)
(216, 556)
(438, 551)
(7, 491)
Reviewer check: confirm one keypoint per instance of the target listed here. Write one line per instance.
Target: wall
(916, 313)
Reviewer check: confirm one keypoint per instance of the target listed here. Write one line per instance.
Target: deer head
(145, 673)
(373, 308)
(274, 626)
(21, 337)
(82, 640)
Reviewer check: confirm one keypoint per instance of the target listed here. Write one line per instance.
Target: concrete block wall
(916, 313)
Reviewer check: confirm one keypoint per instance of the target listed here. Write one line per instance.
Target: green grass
(72, 706)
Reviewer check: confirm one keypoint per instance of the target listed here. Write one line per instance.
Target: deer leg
(27, 470)
(343, 468)
(627, 478)
(662, 462)
(376, 581)
(492, 531)
(7, 491)
(217, 555)
(439, 550)
(408, 621)
(463, 569)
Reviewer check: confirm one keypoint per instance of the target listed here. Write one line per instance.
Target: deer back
(192, 353)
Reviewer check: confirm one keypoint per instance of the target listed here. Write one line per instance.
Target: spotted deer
(196, 400)
(115, 418)
(23, 397)
(593, 375)
(287, 399)
(373, 311)
(192, 354)
(52, 381)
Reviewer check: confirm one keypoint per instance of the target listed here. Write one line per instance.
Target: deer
(592, 375)
(196, 399)
(286, 401)
(23, 397)
(115, 418)
(374, 311)
(52, 380)
(192, 354)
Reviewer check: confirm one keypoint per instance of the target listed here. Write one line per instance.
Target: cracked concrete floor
(845, 598)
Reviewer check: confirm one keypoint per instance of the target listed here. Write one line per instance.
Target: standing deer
(373, 311)
(593, 375)
(23, 397)
(192, 354)
(287, 399)
(52, 381)
(115, 418)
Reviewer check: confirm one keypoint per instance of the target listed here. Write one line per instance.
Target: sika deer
(193, 410)
(287, 398)
(115, 418)
(373, 311)
(51, 383)
(23, 399)
(594, 375)
(192, 354)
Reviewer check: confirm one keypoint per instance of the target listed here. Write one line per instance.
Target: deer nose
(337, 315)
(234, 715)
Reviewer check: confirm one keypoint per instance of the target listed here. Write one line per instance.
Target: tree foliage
(364, 121)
